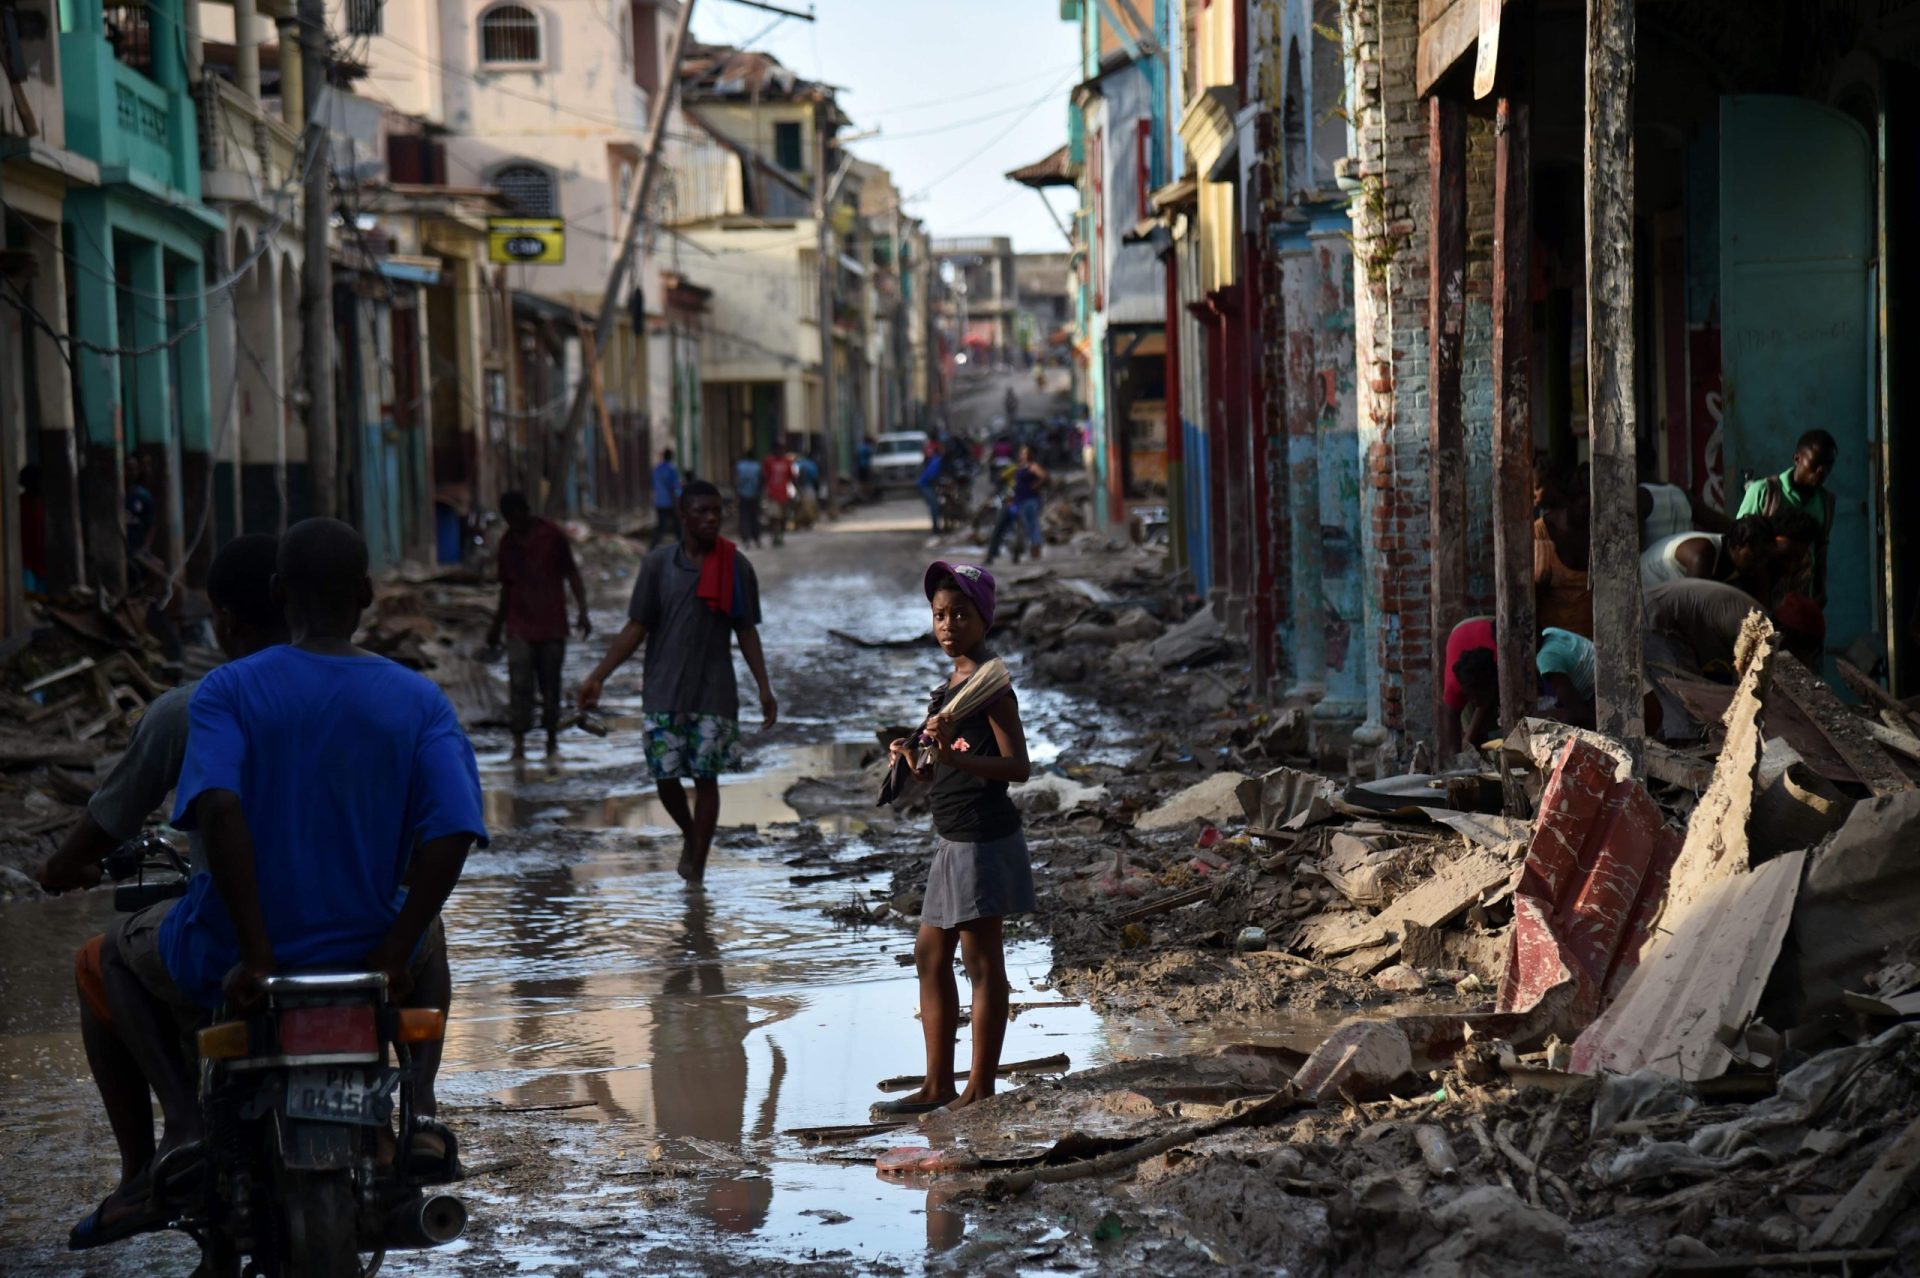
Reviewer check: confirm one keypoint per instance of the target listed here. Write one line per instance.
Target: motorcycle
(301, 1173)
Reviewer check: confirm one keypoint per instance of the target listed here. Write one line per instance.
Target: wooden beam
(1513, 409)
(1446, 333)
(1615, 564)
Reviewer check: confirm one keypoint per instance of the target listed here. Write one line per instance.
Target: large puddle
(643, 1023)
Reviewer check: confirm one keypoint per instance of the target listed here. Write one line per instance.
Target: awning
(413, 270)
(1174, 195)
(1055, 170)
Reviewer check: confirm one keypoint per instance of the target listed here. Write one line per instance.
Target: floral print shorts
(692, 746)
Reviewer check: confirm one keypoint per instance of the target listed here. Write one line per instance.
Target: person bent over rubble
(691, 601)
(1563, 660)
(1692, 628)
(971, 748)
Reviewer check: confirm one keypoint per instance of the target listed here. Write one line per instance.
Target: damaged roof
(723, 71)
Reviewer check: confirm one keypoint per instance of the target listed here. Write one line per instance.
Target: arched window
(509, 35)
(528, 190)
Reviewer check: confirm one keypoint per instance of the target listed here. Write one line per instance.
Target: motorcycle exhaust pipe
(427, 1221)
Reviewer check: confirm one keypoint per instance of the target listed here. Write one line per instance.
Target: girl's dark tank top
(966, 808)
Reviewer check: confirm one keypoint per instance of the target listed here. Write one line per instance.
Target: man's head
(29, 481)
(666, 454)
(1566, 501)
(1804, 627)
(1813, 459)
(135, 468)
(240, 588)
(1478, 671)
(515, 510)
(700, 510)
(1750, 545)
(1026, 453)
(747, 456)
(321, 578)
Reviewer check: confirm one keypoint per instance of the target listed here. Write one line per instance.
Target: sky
(960, 92)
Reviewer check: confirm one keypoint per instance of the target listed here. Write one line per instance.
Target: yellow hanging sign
(526, 241)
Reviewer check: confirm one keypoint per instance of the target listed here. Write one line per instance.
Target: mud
(625, 1056)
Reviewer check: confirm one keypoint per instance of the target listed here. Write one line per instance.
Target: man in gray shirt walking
(690, 602)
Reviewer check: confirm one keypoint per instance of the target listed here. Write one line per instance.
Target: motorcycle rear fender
(310, 1146)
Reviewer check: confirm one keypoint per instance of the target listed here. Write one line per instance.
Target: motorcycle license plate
(343, 1094)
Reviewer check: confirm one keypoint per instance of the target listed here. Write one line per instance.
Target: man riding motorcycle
(323, 779)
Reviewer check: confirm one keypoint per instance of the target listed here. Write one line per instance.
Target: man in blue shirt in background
(746, 490)
(929, 485)
(337, 798)
(666, 499)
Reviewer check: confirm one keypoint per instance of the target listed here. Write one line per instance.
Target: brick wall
(1390, 339)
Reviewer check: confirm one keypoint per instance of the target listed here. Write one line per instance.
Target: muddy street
(624, 1054)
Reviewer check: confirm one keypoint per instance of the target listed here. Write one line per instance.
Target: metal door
(1797, 331)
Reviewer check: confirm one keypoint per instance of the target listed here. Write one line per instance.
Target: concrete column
(1610, 369)
(59, 450)
(293, 93)
(246, 47)
(1336, 542)
(1308, 632)
(274, 409)
(103, 433)
(150, 434)
(190, 37)
(194, 400)
(1446, 331)
(469, 334)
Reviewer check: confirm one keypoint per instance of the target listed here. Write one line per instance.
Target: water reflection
(699, 1052)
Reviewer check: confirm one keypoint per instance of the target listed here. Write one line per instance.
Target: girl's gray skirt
(978, 881)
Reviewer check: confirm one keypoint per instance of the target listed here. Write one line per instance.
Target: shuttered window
(527, 189)
(509, 34)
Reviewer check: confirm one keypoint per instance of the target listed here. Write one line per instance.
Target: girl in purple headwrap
(973, 748)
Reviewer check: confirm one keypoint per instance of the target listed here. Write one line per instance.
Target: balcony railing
(246, 153)
(141, 109)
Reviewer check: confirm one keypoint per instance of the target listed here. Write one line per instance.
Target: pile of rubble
(1589, 1018)
(71, 689)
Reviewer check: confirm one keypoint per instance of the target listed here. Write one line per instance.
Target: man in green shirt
(1802, 486)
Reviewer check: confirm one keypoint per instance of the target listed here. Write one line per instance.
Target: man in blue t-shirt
(929, 486)
(337, 798)
(666, 498)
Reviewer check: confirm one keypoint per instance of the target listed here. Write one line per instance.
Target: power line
(932, 103)
(997, 138)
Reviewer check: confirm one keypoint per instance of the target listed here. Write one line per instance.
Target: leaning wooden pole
(613, 298)
(1513, 410)
(1615, 565)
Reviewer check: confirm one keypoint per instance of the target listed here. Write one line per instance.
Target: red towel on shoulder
(716, 577)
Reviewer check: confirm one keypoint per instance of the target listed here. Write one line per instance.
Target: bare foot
(689, 871)
(519, 754)
(966, 1098)
(927, 1094)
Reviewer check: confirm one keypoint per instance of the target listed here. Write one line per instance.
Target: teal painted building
(139, 251)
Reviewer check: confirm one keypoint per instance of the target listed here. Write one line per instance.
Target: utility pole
(316, 277)
(824, 251)
(639, 192)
